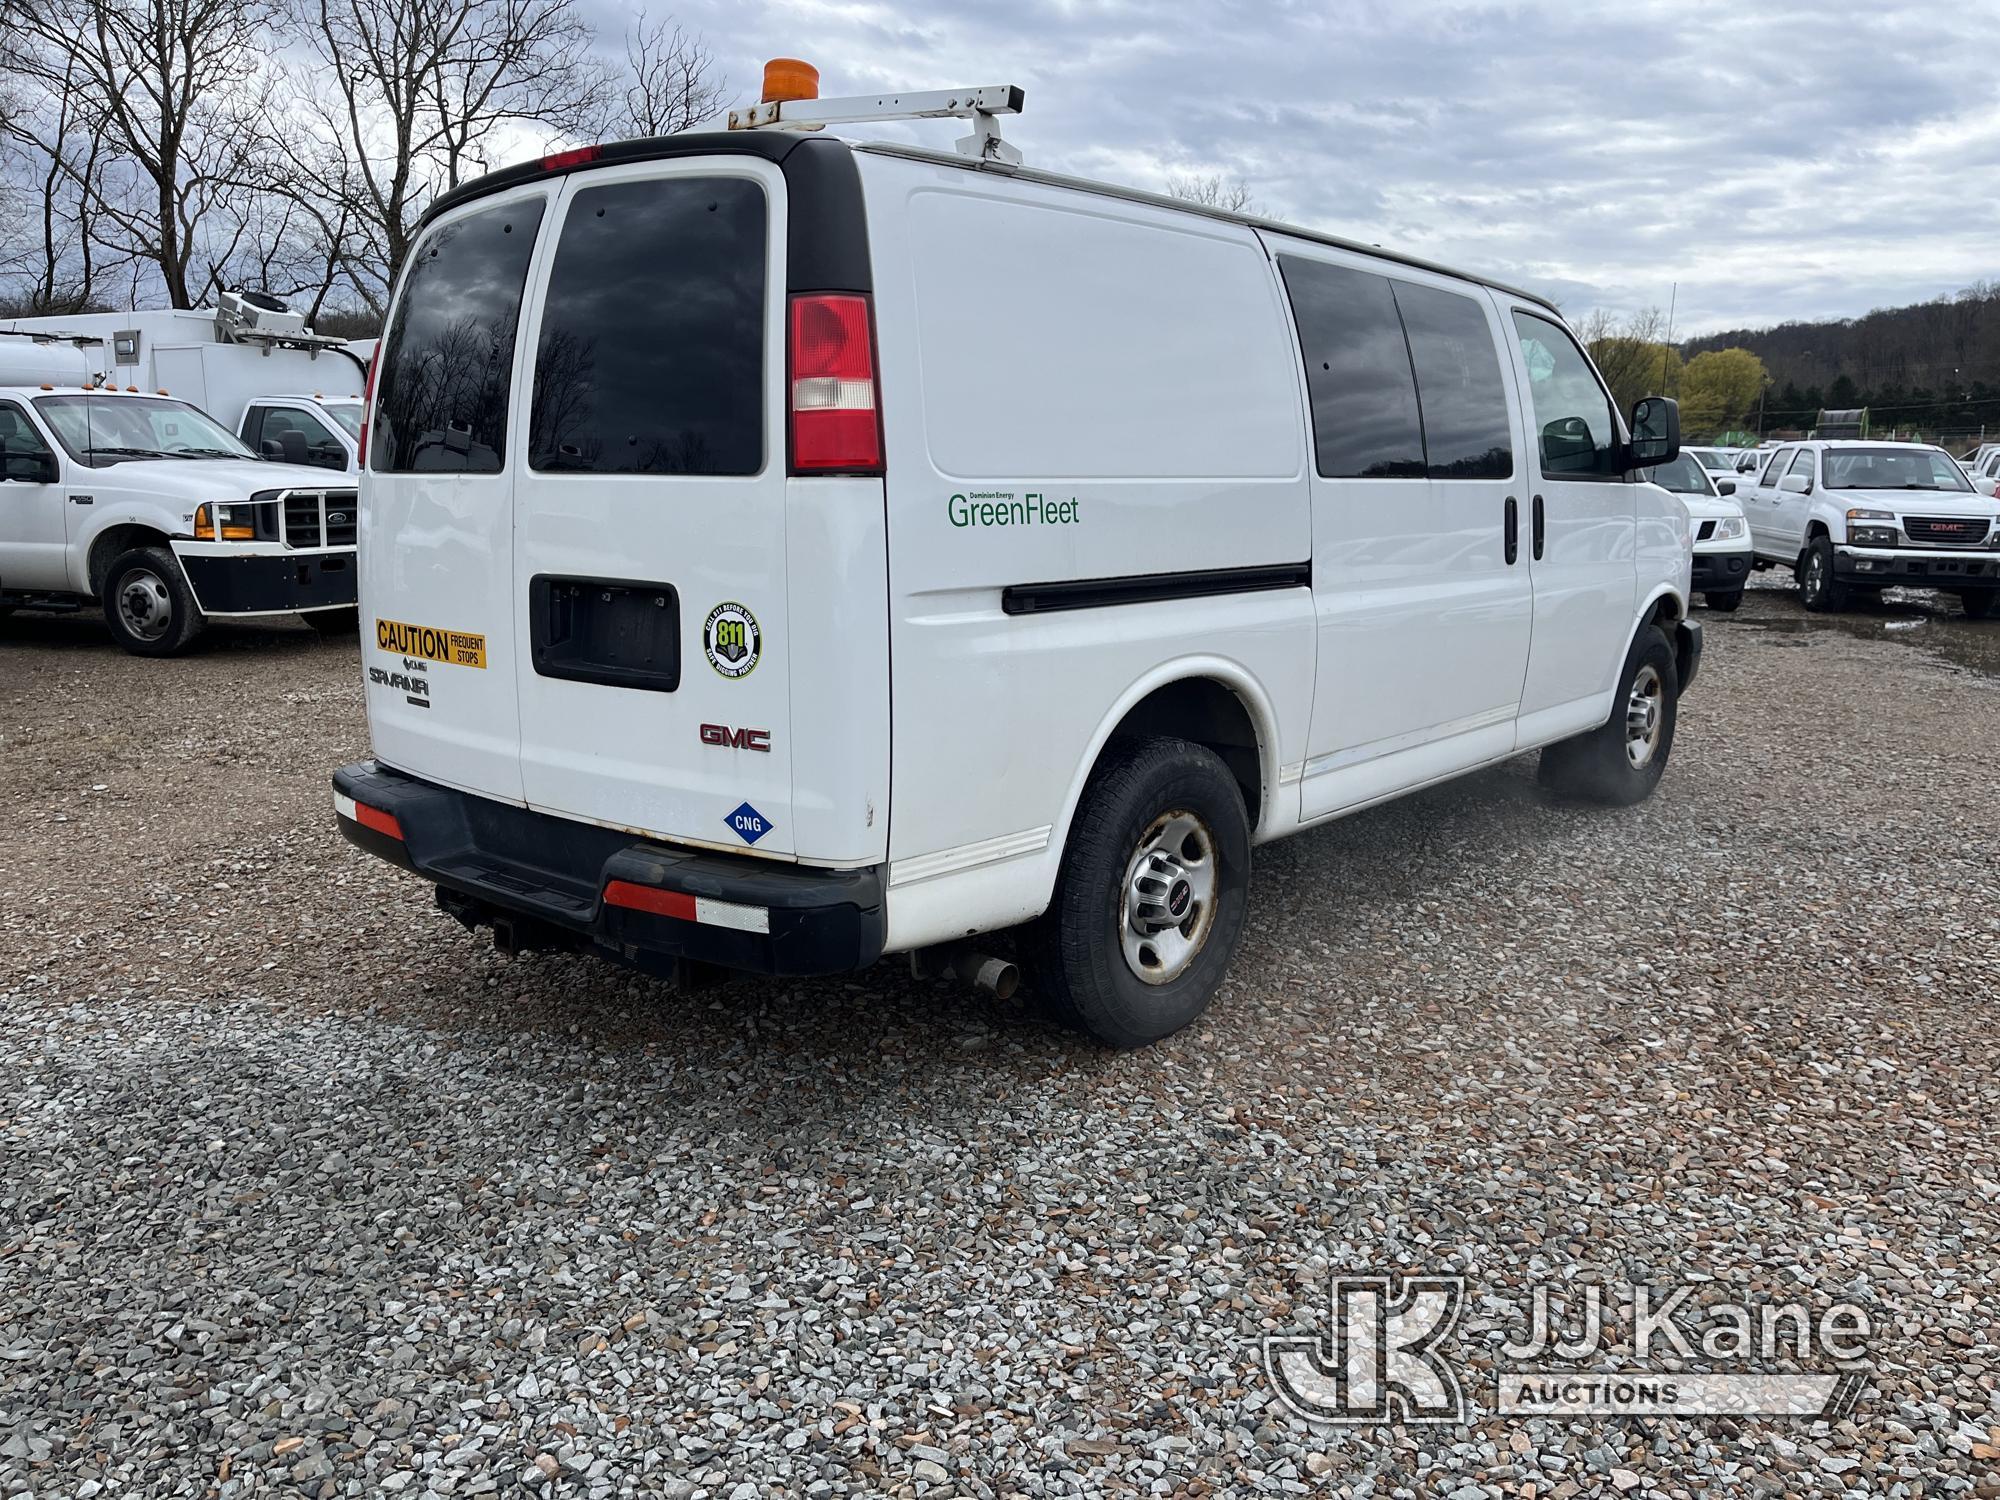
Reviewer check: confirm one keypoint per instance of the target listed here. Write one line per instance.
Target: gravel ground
(304, 1190)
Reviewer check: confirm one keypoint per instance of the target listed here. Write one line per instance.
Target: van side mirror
(1656, 432)
(1796, 484)
(1727, 487)
(1987, 487)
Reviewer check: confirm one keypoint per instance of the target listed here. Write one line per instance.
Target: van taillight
(835, 426)
(367, 409)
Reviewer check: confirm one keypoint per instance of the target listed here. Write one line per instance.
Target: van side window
(1364, 396)
(441, 389)
(1803, 464)
(1579, 436)
(1467, 428)
(651, 358)
(1774, 466)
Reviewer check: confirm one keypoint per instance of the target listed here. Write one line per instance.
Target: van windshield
(1893, 469)
(101, 430)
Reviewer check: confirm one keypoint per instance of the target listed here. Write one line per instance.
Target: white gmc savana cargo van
(777, 552)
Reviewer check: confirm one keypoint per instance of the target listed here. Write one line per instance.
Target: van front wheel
(1149, 903)
(1621, 762)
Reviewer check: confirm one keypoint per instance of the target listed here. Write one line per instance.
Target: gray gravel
(303, 1190)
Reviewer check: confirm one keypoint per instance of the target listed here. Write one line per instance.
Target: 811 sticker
(732, 640)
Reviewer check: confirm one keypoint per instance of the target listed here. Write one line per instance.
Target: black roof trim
(827, 242)
(770, 145)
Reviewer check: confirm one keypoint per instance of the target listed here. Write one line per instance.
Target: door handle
(1539, 528)
(1513, 531)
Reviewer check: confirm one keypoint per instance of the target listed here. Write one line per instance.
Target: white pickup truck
(1856, 516)
(148, 507)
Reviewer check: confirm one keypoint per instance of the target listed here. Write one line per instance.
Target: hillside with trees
(1933, 367)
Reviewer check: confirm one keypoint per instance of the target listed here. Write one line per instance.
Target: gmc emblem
(736, 739)
(1948, 526)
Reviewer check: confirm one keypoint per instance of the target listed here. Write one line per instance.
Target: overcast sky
(1779, 160)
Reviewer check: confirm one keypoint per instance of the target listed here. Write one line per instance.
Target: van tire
(335, 621)
(1723, 603)
(1820, 589)
(1600, 766)
(148, 604)
(1077, 952)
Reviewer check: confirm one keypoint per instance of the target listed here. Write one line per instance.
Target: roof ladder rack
(981, 106)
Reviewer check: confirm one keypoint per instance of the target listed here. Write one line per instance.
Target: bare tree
(402, 102)
(1232, 195)
(1631, 353)
(671, 82)
(150, 113)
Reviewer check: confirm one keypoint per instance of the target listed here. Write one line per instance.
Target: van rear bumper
(547, 882)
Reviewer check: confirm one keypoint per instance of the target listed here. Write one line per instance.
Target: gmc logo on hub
(736, 739)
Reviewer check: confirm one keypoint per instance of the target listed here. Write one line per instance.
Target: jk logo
(1379, 1362)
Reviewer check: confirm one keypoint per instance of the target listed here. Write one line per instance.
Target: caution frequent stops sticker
(455, 648)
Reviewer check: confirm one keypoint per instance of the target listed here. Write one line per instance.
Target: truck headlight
(1871, 536)
(227, 523)
(1728, 528)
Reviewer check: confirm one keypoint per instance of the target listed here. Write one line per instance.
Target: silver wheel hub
(1166, 908)
(144, 605)
(1645, 715)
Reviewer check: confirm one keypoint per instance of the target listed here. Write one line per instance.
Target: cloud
(1778, 161)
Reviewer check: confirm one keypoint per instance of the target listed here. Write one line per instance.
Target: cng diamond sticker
(750, 825)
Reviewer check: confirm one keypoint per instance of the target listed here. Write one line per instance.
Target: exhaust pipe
(996, 976)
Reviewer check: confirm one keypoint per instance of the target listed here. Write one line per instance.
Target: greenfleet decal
(1005, 508)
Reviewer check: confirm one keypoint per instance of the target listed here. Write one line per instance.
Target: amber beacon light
(787, 78)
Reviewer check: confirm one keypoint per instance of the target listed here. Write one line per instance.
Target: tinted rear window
(1364, 397)
(652, 345)
(1467, 430)
(441, 389)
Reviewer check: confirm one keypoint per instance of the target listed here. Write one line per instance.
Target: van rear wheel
(1622, 761)
(1149, 904)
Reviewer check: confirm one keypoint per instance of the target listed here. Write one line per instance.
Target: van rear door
(437, 517)
(649, 562)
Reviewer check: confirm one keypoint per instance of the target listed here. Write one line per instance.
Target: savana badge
(731, 638)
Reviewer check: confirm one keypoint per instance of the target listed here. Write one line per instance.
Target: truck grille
(320, 518)
(1947, 531)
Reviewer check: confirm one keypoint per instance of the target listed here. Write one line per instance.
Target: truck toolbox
(554, 882)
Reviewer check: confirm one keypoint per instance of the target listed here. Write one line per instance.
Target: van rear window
(441, 389)
(651, 359)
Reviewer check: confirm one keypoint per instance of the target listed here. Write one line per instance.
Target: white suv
(780, 552)
(1847, 516)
